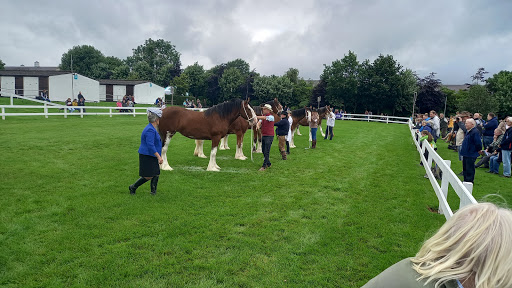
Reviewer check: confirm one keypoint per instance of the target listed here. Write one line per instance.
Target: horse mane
(321, 110)
(225, 108)
(299, 113)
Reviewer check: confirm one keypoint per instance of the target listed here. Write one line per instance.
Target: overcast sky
(452, 38)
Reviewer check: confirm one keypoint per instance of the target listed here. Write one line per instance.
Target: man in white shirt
(435, 123)
(330, 125)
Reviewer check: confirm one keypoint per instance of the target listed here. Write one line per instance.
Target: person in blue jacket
(149, 153)
(489, 127)
(471, 146)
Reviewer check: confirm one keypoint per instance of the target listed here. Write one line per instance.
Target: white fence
(448, 177)
(53, 109)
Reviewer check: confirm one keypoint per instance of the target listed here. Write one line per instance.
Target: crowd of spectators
(192, 104)
(474, 138)
(127, 101)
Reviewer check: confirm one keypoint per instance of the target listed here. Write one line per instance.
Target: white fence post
(444, 186)
(110, 112)
(65, 112)
(463, 200)
(81, 112)
(12, 100)
(133, 108)
(3, 113)
(45, 111)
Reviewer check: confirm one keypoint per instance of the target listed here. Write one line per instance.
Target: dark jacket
(506, 142)
(471, 144)
(282, 127)
(490, 126)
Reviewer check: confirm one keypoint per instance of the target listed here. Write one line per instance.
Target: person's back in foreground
(472, 249)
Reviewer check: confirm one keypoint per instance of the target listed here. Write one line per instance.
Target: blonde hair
(476, 241)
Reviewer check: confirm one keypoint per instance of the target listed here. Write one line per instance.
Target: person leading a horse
(149, 152)
(266, 123)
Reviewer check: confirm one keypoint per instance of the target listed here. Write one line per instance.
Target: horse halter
(249, 120)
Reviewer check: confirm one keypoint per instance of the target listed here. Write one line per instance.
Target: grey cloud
(452, 38)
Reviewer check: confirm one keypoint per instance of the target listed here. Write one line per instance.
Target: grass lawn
(335, 216)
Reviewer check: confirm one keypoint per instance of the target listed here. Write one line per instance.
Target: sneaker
(262, 169)
(504, 176)
(132, 189)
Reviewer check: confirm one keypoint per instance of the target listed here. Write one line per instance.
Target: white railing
(82, 110)
(375, 118)
(448, 177)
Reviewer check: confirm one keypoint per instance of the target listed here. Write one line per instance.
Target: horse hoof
(202, 156)
(222, 148)
(167, 168)
(212, 169)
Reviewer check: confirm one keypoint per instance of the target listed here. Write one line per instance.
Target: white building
(60, 85)
(144, 92)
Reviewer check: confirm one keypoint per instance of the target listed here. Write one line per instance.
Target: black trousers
(328, 132)
(468, 169)
(266, 143)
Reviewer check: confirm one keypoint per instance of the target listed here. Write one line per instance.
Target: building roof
(121, 82)
(31, 71)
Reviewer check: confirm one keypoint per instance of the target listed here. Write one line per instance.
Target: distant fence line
(448, 177)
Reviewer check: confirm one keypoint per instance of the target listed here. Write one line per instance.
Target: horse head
(276, 106)
(247, 113)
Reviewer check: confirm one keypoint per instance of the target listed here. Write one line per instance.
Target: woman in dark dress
(149, 153)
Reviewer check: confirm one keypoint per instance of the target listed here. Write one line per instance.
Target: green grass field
(331, 217)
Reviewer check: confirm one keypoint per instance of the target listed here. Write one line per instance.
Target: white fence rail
(375, 118)
(448, 177)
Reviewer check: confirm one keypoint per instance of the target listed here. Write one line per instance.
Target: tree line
(380, 86)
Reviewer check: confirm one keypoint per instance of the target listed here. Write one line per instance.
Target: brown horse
(322, 112)
(239, 127)
(299, 115)
(213, 124)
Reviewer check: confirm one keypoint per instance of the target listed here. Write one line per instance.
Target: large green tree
(430, 96)
(181, 84)
(342, 81)
(158, 55)
(405, 98)
(301, 90)
(230, 83)
(267, 88)
(197, 79)
(500, 85)
(478, 99)
(84, 58)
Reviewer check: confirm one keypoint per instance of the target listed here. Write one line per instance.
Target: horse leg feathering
(165, 164)
(212, 166)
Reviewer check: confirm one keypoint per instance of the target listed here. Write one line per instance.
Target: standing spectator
(149, 153)
(199, 105)
(479, 122)
(506, 147)
(459, 137)
(470, 150)
(443, 124)
(435, 123)
(313, 125)
(80, 96)
(425, 126)
(290, 134)
(266, 124)
(489, 127)
(471, 249)
(330, 125)
(283, 127)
